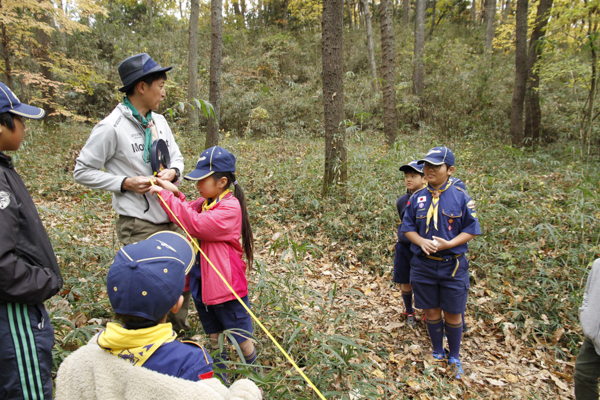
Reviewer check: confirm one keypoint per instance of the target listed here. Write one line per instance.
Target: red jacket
(218, 230)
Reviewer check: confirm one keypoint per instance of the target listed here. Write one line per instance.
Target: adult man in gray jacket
(587, 366)
(121, 144)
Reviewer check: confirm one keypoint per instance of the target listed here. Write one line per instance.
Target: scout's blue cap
(413, 165)
(213, 159)
(146, 278)
(136, 67)
(10, 103)
(438, 156)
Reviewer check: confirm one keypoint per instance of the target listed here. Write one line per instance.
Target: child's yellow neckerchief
(135, 345)
(206, 206)
(433, 207)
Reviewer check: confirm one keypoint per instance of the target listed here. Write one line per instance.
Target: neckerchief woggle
(135, 345)
(146, 123)
(433, 207)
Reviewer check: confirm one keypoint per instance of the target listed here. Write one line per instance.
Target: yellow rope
(242, 303)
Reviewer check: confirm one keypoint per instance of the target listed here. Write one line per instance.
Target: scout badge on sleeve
(159, 157)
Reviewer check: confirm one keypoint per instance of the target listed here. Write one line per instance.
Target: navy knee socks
(454, 336)
(407, 297)
(436, 334)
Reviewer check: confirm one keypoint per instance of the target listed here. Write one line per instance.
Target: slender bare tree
(42, 53)
(193, 66)
(216, 55)
(490, 16)
(533, 112)
(336, 169)
(370, 47)
(418, 73)
(387, 71)
(516, 111)
(405, 13)
(473, 15)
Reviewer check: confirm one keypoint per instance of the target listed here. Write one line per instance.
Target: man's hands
(137, 184)
(163, 184)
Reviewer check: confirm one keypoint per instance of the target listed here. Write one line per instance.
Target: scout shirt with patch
(29, 273)
(456, 214)
(157, 349)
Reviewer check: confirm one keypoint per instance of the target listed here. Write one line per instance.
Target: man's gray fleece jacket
(117, 145)
(589, 313)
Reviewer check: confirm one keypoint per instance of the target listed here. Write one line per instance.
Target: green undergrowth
(538, 209)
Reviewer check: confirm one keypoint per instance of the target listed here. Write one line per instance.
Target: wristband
(123, 183)
(177, 175)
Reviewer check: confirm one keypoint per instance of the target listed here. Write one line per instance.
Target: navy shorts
(440, 284)
(230, 315)
(402, 263)
(26, 340)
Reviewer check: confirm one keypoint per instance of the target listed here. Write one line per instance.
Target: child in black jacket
(29, 273)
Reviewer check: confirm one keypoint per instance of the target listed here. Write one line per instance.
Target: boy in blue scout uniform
(29, 273)
(439, 221)
(144, 283)
(413, 178)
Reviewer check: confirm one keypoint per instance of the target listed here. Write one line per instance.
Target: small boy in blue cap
(414, 179)
(29, 273)
(439, 221)
(144, 283)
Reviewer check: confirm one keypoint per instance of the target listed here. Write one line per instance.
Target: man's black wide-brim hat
(136, 67)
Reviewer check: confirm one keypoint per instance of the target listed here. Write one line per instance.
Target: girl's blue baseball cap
(438, 156)
(213, 159)
(10, 103)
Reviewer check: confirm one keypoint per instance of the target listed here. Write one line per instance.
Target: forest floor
(322, 281)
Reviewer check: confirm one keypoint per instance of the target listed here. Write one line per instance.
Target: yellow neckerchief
(206, 206)
(433, 207)
(135, 345)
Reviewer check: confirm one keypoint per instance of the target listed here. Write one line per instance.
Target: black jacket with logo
(29, 273)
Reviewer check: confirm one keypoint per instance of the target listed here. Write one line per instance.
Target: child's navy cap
(438, 156)
(134, 68)
(10, 103)
(213, 159)
(413, 165)
(146, 278)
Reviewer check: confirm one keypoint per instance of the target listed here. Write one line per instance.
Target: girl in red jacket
(217, 220)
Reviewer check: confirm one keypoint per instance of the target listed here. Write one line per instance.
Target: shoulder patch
(4, 199)
(471, 204)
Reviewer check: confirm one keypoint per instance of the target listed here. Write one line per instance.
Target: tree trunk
(589, 112)
(387, 71)
(243, 7)
(5, 50)
(473, 11)
(516, 111)
(506, 11)
(490, 16)
(216, 55)
(533, 112)
(193, 67)
(349, 14)
(237, 12)
(432, 25)
(418, 73)
(43, 56)
(333, 94)
(370, 48)
(405, 13)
